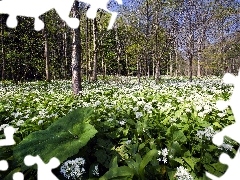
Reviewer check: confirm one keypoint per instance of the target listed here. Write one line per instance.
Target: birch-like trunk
(76, 55)
(46, 53)
(95, 58)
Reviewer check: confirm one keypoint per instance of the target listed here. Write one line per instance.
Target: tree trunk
(170, 65)
(46, 52)
(190, 70)
(89, 52)
(86, 50)
(126, 60)
(65, 45)
(95, 58)
(118, 53)
(3, 50)
(76, 54)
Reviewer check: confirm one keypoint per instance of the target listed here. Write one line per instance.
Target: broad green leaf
(62, 139)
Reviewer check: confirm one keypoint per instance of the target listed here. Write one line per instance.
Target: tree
(46, 51)
(76, 54)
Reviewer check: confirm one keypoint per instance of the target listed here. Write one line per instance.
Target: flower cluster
(183, 174)
(73, 169)
(208, 133)
(164, 153)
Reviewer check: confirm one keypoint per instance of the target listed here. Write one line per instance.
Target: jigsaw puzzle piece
(101, 4)
(233, 167)
(63, 13)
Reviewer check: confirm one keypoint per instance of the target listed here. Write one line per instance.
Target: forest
(150, 38)
(137, 101)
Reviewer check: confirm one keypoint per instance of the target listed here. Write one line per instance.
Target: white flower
(135, 109)
(198, 108)
(221, 114)
(165, 152)
(122, 122)
(208, 133)
(164, 160)
(227, 147)
(40, 122)
(95, 171)
(16, 114)
(19, 123)
(182, 174)
(110, 120)
(159, 159)
(73, 168)
(138, 114)
(97, 103)
(128, 142)
(201, 114)
(3, 126)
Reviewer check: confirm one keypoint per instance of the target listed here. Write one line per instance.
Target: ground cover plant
(120, 129)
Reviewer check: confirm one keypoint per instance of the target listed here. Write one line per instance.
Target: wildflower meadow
(118, 129)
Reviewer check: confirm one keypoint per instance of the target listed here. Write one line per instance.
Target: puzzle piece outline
(229, 131)
(63, 9)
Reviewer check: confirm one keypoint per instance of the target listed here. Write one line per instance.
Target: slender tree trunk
(87, 47)
(138, 71)
(198, 67)
(76, 55)
(3, 50)
(46, 53)
(190, 70)
(95, 58)
(171, 64)
(126, 60)
(89, 52)
(118, 53)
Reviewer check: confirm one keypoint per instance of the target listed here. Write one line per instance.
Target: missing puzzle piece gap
(8, 132)
(3, 165)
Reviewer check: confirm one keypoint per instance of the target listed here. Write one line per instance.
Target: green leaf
(179, 160)
(231, 118)
(179, 136)
(190, 161)
(132, 164)
(171, 174)
(217, 124)
(146, 159)
(62, 139)
(122, 171)
(114, 163)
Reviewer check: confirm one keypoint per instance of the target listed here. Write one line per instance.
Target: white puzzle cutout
(36, 8)
(8, 141)
(101, 4)
(231, 131)
(44, 170)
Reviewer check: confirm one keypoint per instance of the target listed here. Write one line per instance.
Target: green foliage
(69, 133)
(171, 116)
